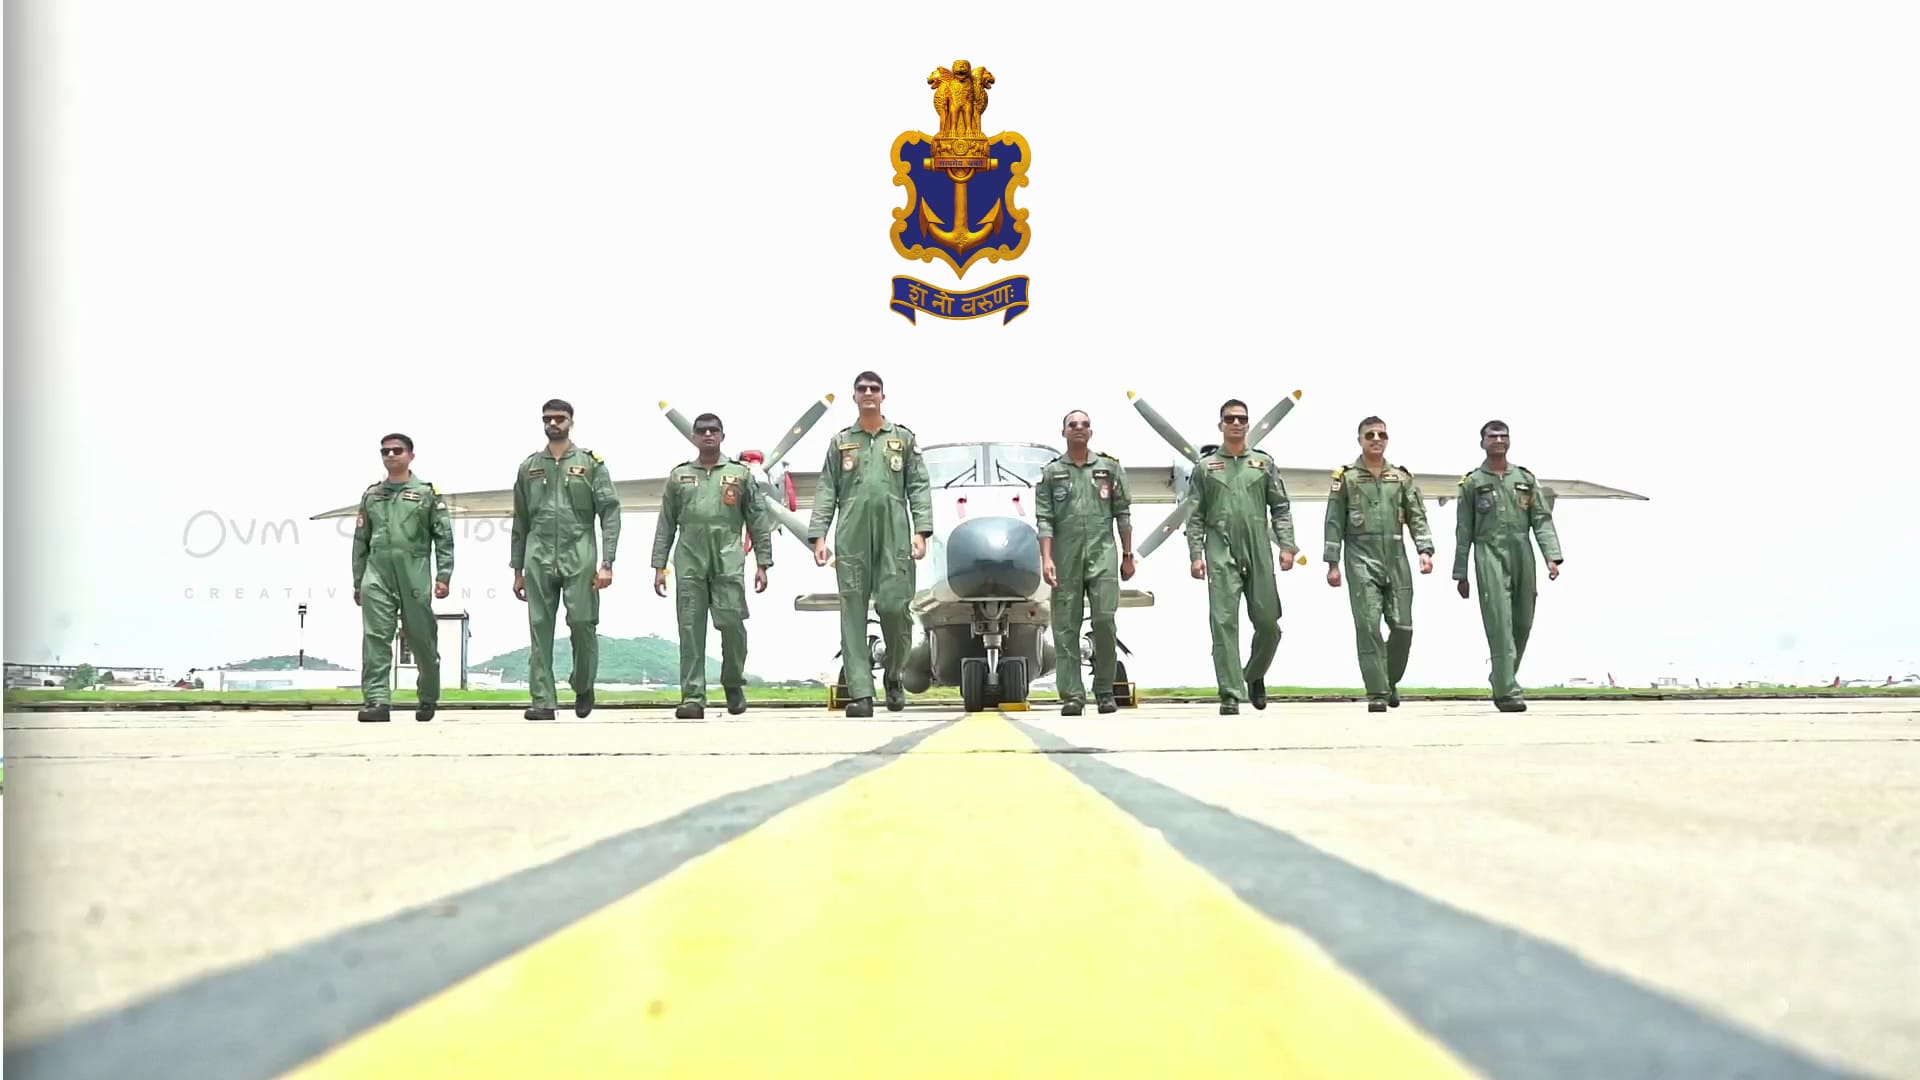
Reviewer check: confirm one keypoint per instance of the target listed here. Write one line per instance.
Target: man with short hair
(1082, 497)
(1242, 507)
(712, 502)
(1370, 504)
(1501, 510)
(557, 494)
(401, 521)
(876, 481)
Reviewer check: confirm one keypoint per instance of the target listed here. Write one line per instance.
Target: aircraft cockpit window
(1021, 464)
(951, 466)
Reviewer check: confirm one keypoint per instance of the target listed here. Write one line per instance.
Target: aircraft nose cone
(995, 558)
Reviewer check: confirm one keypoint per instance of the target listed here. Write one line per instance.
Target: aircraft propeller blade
(1159, 424)
(792, 522)
(1171, 525)
(1274, 416)
(799, 430)
(679, 421)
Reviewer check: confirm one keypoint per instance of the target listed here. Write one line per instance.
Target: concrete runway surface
(1589, 889)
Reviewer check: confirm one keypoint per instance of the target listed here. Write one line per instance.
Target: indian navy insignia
(943, 173)
(846, 462)
(576, 470)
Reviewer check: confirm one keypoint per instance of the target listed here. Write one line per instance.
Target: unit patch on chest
(894, 462)
(1258, 463)
(730, 490)
(895, 444)
(576, 470)
(1525, 494)
(846, 461)
(1216, 466)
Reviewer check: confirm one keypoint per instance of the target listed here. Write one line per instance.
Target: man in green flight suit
(1499, 503)
(556, 495)
(400, 519)
(1369, 506)
(876, 480)
(1227, 537)
(711, 502)
(1080, 499)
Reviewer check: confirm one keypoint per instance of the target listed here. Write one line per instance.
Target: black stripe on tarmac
(1507, 1003)
(283, 1010)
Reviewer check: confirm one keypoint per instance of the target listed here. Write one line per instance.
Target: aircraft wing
(1153, 484)
(636, 497)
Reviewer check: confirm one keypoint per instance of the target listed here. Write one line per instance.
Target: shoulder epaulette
(1262, 453)
(1341, 472)
(597, 459)
(1115, 458)
(1464, 477)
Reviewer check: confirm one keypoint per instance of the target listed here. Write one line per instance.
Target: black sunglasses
(1078, 424)
(392, 451)
(1234, 418)
(1374, 436)
(706, 429)
(866, 388)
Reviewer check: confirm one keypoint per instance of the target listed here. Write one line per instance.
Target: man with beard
(557, 493)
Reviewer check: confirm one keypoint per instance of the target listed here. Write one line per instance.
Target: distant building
(35, 675)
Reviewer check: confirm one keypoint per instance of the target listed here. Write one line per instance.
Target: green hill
(650, 659)
(284, 663)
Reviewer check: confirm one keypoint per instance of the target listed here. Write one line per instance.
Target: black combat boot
(425, 712)
(896, 696)
(860, 707)
(376, 714)
(689, 710)
(736, 700)
(1393, 697)
(538, 713)
(1070, 708)
(1257, 693)
(583, 703)
(1106, 703)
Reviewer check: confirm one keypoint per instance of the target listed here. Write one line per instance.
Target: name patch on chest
(410, 496)
(689, 478)
(1216, 466)
(535, 474)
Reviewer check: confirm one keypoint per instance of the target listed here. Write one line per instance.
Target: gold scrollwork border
(1016, 178)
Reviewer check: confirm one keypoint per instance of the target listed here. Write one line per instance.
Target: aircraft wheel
(973, 683)
(1013, 679)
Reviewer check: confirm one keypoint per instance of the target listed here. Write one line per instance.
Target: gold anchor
(960, 150)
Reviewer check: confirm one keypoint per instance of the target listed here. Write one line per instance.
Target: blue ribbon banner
(1007, 294)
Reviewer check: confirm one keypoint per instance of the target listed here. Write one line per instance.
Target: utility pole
(303, 637)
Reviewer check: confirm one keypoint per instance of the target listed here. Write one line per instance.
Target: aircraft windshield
(952, 466)
(1020, 464)
(986, 465)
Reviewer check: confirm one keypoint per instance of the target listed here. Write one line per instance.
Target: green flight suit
(392, 535)
(1370, 515)
(711, 507)
(878, 486)
(1494, 518)
(1238, 498)
(1080, 507)
(554, 505)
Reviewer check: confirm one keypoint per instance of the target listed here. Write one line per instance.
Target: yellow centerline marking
(953, 913)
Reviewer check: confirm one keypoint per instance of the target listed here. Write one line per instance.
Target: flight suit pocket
(579, 490)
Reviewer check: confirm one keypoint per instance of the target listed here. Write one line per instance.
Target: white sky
(1671, 245)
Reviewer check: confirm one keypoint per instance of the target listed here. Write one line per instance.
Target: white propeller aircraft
(983, 616)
